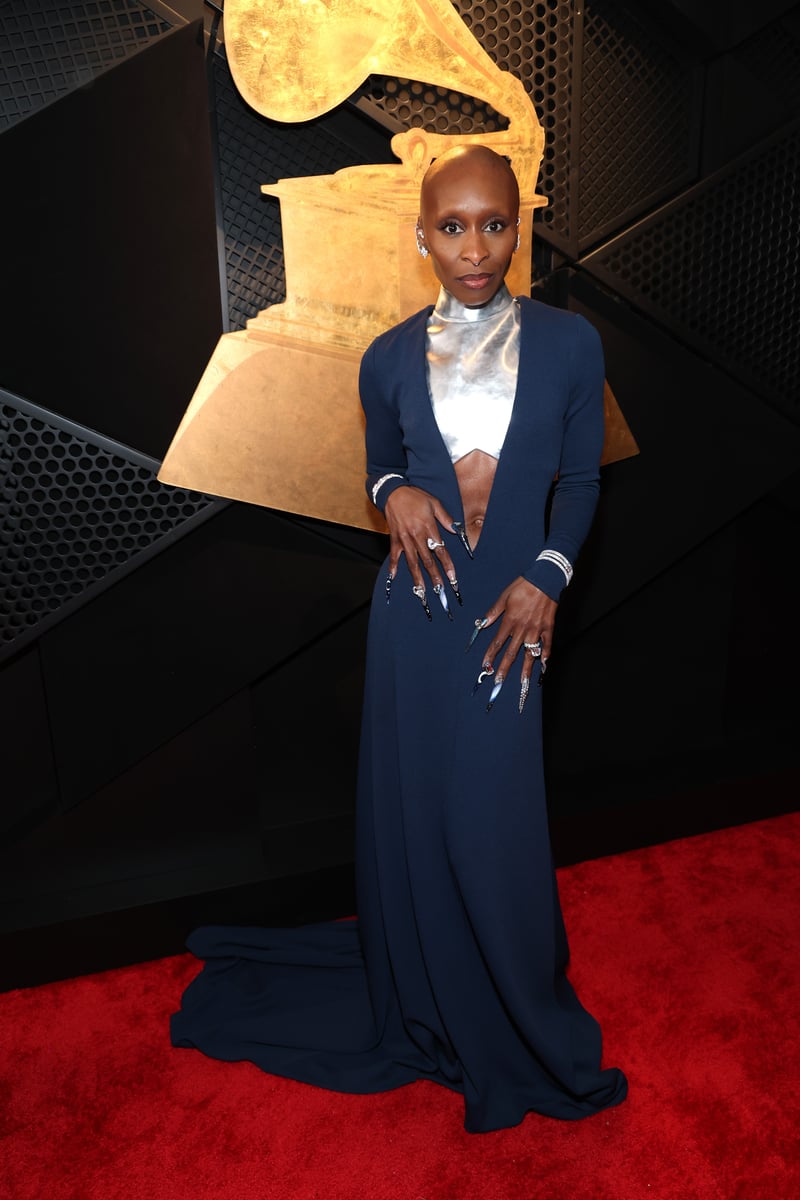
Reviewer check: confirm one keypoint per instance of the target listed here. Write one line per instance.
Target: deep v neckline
(438, 440)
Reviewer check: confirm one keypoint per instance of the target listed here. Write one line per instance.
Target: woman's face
(469, 219)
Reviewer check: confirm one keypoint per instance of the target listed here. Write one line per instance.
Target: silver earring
(424, 251)
(517, 243)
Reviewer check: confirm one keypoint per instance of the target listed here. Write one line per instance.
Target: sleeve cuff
(550, 573)
(381, 488)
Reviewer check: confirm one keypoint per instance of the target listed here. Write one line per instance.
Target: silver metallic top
(473, 359)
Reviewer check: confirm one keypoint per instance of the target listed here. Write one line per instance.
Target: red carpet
(686, 952)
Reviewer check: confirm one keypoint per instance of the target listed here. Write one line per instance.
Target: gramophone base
(277, 422)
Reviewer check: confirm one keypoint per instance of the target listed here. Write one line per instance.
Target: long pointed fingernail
(480, 623)
(495, 692)
(419, 592)
(523, 692)
(389, 580)
(454, 586)
(485, 670)
(541, 673)
(458, 527)
(440, 592)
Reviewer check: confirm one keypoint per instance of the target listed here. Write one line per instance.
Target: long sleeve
(386, 456)
(577, 485)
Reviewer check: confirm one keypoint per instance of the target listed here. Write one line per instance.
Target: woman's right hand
(414, 518)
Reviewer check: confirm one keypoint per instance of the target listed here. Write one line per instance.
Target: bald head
(470, 161)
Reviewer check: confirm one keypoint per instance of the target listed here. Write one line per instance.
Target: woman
(456, 969)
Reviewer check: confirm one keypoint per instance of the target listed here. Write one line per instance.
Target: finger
(443, 516)
(421, 594)
(525, 680)
(512, 650)
(486, 621)
(482, 674)
(431, 563)
(457, 527)
(433, 566)
(537, 650)
(448, 570)
(480, 624)
(516, 642)
(492, 614)
(533, 647)
(497, 685)
(417, 578)
(438, 548)
(440, 591)
(507, 661)
(418, 585)
(453, 580)
(395, 554)
(496, 645)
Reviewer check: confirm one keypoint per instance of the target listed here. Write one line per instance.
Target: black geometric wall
(76, 512)
(180, 675)
(50, 49)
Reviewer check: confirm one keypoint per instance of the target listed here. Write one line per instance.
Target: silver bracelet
(383, 479)
(553, 556)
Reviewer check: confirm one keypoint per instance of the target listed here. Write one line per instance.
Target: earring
(517, 243)
(424, 251)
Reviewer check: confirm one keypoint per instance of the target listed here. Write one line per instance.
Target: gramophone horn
(295, 60)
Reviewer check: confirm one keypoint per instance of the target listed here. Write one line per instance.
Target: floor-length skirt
(455, 970)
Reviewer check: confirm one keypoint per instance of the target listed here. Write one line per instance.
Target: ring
(432, 545)
(535, 648)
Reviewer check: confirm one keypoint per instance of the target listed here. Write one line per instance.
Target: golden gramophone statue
(275, 419)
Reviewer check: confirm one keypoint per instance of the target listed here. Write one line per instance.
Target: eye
(451, 227)
(496, 226)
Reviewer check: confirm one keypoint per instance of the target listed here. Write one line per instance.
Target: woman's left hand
(528, 616)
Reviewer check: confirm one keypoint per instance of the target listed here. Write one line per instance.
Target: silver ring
(533, 648)
(432, 545)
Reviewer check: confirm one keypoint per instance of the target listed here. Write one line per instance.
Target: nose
(474, 248)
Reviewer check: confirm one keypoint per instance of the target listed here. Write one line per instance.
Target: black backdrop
(180, 675)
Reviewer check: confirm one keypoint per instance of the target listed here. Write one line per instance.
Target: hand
(414, 517)
(528, 615)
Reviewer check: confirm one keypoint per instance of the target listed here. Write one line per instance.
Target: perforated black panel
(637, 139)
(772, 56)
(74, 511)
(416, 105)
(251, 223)
(720, 267)
(48, 48)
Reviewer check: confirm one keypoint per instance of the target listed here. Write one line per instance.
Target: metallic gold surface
(619, 441)
(275, 419)
(298, 59)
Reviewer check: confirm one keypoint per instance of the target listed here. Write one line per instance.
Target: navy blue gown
(455, 970)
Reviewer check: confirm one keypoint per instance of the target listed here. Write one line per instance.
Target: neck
(450, 309)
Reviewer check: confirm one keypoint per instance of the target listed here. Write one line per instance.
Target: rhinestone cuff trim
(560, 560)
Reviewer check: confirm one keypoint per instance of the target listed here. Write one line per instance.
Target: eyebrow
(490, 215)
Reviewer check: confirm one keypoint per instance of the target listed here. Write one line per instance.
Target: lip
(475, 281)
